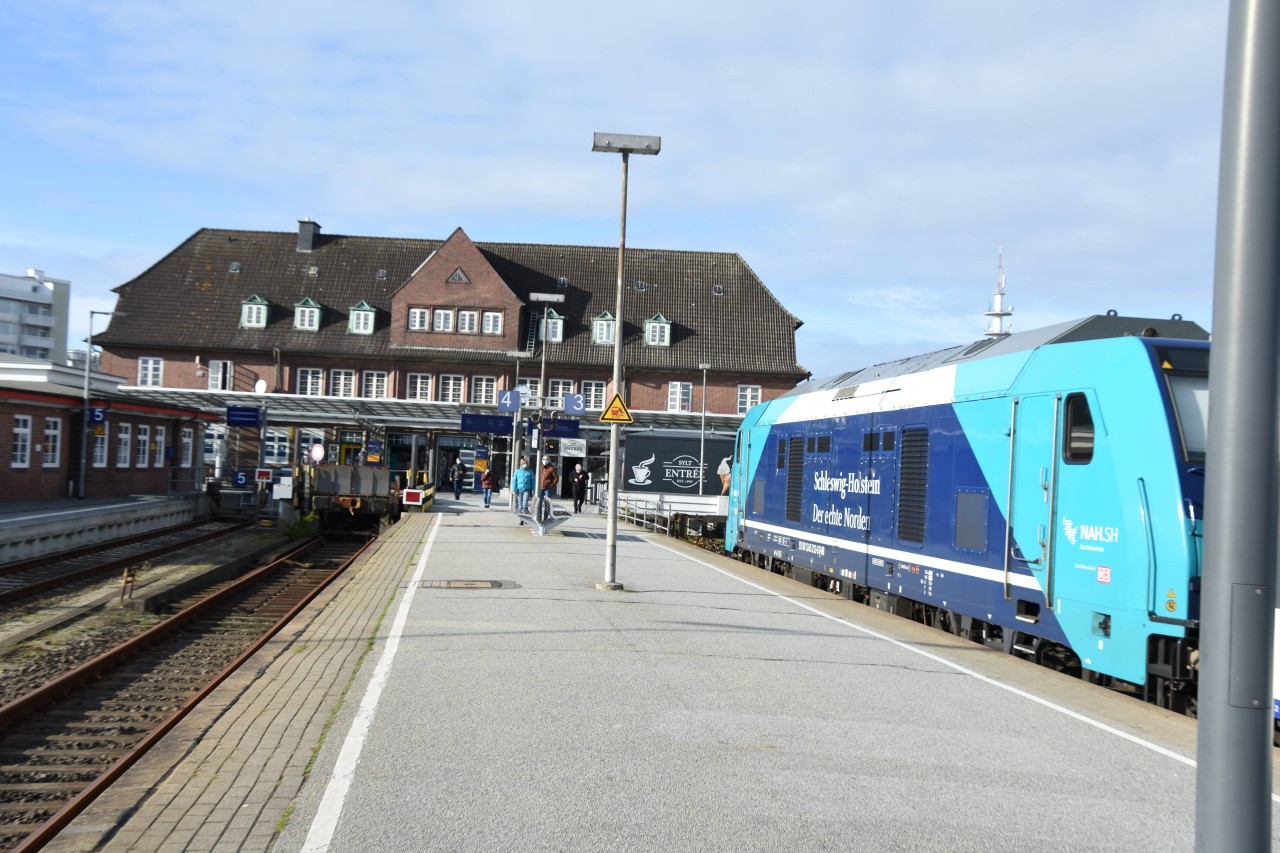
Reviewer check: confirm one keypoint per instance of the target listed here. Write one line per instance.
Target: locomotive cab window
(1077, 446)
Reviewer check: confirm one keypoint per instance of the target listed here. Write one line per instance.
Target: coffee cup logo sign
(640, 473)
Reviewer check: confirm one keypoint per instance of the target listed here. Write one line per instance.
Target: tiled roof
(719, 309)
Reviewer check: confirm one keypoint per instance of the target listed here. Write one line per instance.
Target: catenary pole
(1233, 772)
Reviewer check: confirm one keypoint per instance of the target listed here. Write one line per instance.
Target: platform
(31, 529)
(467, 687)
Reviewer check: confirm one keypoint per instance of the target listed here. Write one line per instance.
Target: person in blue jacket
(522, 485)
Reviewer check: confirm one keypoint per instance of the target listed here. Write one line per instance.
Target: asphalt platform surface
(467, 687)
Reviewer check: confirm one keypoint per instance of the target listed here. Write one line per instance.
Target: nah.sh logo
(1089, 532)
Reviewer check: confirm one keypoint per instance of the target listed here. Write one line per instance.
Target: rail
(646, 513)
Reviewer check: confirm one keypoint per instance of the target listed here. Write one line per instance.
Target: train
(1041, 493)
(354, 497)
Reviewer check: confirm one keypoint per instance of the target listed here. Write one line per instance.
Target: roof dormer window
(552, 327)
(603, 328)
(253, 312)
(306, 315)
(362, 317)
(657, 331)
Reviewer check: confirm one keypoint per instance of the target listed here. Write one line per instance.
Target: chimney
(307, 233)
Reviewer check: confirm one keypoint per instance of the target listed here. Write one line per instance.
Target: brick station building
(423, 329)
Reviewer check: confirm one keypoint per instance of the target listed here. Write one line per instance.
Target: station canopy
(388, 414)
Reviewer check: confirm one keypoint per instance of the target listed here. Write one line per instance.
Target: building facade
(33, 316)
(450, 322)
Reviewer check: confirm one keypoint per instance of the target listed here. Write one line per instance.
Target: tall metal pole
(626, 145)
(84, 426)
(615, 462)
(702, 435)
(1233, 772)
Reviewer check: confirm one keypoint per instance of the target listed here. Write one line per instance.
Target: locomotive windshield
(1187, 372)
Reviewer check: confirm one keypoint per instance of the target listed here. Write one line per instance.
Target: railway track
(66, 742)
(22, 580)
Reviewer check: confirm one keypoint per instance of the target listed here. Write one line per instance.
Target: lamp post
(702, 435)
(84, 426)
(626, 145)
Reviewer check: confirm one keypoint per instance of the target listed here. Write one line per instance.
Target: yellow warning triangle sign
(616, 412)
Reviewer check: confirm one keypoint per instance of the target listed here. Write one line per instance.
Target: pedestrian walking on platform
(488, 482)
(458, 473)
(522, 485)
(579, 480)
(547, 480)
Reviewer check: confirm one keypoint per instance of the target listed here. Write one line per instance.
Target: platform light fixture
(626, 145)
(84, 425)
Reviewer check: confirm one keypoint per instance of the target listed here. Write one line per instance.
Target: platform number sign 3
(574, 404)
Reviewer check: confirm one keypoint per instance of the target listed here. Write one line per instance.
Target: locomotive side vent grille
(913, 480)
(795, 479)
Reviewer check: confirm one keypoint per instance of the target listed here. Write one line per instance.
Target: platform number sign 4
(509, 401)
(574, 404)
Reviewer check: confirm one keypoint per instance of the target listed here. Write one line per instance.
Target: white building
(33, 316)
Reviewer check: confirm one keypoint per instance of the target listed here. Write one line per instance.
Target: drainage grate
(460, 585)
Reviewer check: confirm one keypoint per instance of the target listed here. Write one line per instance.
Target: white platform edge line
(1190, 762)
(325, 823)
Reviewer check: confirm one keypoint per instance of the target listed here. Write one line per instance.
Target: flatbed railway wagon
(354, 497)
(1041, 493)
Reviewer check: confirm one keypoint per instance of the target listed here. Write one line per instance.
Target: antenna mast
(996, 329)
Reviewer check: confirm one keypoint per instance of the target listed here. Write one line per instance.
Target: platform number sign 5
(574, 404)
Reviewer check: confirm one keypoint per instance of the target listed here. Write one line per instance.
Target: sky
(870, 160)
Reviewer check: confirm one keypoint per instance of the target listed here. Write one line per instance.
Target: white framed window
(442, 320)
(551, 329)
(52, 442)
(679, 396)
(142, 446)
(556, 389)
(419, 319)
(253, 313)
(342, 383)
(534, 386)
(310, 381)
(484, 389)
(187, 459)
(275, 446)
(374, 384)
(221, 375)
(21, 456)
(306, 315)
(748, 396)
(491, 323)
(361, 319)
(124, 444)
(417, 386)
(451, 387)
(468, 322)
(593, 394)
(161, 438)
(100, 448)
(215, 437)
(150, 371)
(657, 331)
(603, 329)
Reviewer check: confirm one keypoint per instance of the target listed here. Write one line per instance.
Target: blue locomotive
(1041, 493)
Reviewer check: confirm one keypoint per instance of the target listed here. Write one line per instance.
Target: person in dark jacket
(579, 480)
(548, 477)
(458, 473)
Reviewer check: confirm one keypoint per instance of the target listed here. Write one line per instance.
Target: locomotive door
(875, 499)
(1032, 506)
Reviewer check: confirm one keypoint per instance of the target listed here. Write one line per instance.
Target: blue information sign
(561, 428)
(244, 416)
(575, 404)
(486, 424)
